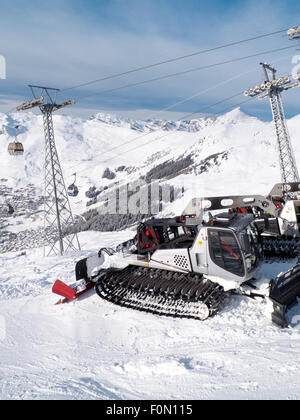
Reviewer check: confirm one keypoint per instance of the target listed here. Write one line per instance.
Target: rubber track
(184, 295)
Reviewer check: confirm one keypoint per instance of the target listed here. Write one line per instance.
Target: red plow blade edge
(64, 290)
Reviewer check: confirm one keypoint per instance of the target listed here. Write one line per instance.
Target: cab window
(225, 252)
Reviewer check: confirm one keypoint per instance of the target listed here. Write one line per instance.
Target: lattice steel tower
(272, 88)
(57, 213)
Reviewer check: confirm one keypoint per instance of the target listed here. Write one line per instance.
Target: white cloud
(54, 45)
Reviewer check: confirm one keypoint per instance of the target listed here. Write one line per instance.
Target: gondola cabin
(73, 190)
(15, 149)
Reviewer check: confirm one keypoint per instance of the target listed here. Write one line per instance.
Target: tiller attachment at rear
(284, 291)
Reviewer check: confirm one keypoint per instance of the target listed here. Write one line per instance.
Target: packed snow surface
(92, 349)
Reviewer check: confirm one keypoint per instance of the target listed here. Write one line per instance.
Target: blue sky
(64, 43)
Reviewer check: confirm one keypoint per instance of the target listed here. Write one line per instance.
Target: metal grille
(181, 261)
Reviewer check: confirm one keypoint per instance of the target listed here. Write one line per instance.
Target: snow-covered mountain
(228, 155)
(131, 149)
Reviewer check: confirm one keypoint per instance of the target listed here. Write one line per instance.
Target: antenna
(57, 213)
(272, 89)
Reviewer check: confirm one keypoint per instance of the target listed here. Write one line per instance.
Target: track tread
(162, 292)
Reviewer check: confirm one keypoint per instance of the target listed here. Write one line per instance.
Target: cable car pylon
(57, 213)
(272, 88)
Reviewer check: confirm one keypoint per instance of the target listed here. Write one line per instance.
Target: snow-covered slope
(92, 349)
(95, 350)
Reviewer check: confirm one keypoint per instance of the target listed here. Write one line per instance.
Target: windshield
(251, 246)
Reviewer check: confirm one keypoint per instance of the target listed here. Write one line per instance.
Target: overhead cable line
(186, 116)
(209, 66)
(174, 131)
(173, 60)
(216, 86)
(164, 135)
(9, 111)
(172, 106)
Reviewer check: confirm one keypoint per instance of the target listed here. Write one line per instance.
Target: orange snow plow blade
(63, 290)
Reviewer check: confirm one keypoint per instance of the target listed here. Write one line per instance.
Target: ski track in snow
(92, 349)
